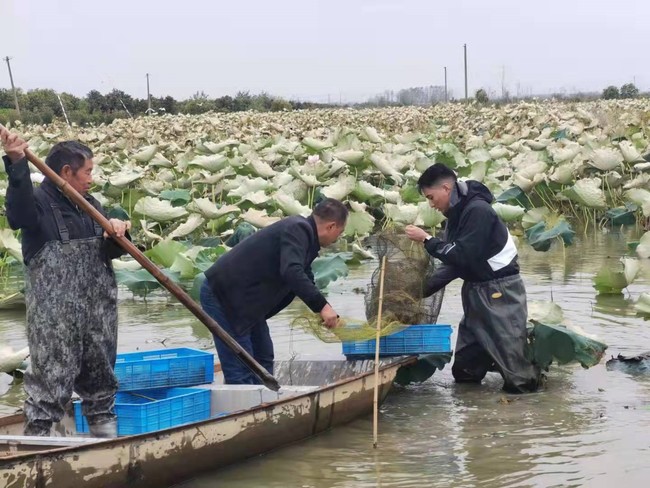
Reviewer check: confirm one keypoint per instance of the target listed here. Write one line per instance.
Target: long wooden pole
(375, 403)
(267, 379)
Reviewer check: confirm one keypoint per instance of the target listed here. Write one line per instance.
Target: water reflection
(589, 428)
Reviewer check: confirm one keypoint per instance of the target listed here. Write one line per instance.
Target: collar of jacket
(52, 189)
(458, 192)
(312, 223)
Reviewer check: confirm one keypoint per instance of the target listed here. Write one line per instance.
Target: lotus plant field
(190, 183)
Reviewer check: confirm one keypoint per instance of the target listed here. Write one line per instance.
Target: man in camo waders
(479, 249)
(70, 290)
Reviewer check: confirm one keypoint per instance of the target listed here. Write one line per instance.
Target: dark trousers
(492, 335)
(256, 341)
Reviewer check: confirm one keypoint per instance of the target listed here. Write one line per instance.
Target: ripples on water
(588, 428)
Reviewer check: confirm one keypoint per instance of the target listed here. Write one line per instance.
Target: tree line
(42, 106)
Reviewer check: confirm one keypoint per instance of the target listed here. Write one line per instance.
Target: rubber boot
(106, 429)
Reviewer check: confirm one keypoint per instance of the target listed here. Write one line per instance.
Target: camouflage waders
(71, 298)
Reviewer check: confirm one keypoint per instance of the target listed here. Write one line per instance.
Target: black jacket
(477, 245)
(31, 211)
(263, 274)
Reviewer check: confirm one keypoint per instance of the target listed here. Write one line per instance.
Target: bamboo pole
(267, 379)
(375, 405)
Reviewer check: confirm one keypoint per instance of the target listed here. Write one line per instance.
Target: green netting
(408, 269)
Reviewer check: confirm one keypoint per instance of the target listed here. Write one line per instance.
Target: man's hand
(13, 145)
(329, 316)
(415, 233)
(119, 227)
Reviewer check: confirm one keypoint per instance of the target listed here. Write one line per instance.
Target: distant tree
(96, 101)
(279, 104)
(224, 104)
(40, 101)
(611, 93)
(481, 96)
(169, 104)
(242, 101)
(629, 90)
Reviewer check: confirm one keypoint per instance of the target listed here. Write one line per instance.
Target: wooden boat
(318, 395)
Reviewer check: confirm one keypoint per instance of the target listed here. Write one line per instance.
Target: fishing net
(408, 270)
(409, 267)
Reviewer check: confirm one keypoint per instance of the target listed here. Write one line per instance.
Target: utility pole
(465, 51)
(11, 78)
(63, 109)
(446, 97)
(148, 96)
(503, 83)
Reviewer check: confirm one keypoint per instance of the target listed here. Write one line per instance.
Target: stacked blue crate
(150, 396)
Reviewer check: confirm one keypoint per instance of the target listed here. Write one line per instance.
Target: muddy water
(588, 428)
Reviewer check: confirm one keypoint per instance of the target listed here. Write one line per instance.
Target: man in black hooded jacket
(478, 248)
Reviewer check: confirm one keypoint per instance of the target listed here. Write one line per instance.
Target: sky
(345, 50)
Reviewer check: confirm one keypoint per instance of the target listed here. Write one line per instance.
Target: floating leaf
(429, 216)
(359, 223)
(193, 222)
(125, 264)
(630, 153)
(160, 161)
(534, 216)
(164, 253)
(141, 282)
(208, 209)
(605, 159)
(612, 279)
(514, 195)
(9, 243)
(125, 177)
(370, 134)
(341, 189)
(362, 253)
(587, 192)
(158, 210)
(508, 213)
(291, 206)
(540, 236)
(327, 269)
(404, 214)
(184, 266)
(145, 154)
(259, 218)
(621, 216)
(642, 306)
(176, 197)
(212, 163)
(315, 145)
(351, 157)
(643, 248)
(545, 312)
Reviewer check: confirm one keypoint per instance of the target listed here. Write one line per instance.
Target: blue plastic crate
(164, 368)
(416, 339)
(151, 410)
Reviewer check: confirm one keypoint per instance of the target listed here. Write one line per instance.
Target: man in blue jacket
(262, 275)
(70, 290)
(478, 248)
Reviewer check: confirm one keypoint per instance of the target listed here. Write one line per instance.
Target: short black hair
(435, 174)
(331, 210)
(72, 153)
